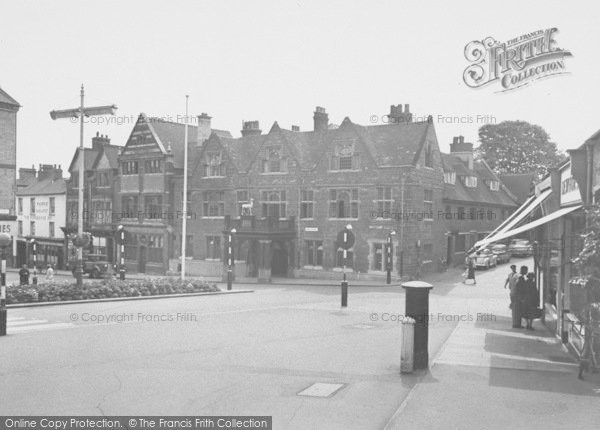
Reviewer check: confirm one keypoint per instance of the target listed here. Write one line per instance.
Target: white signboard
(569, 190)
(8, 227)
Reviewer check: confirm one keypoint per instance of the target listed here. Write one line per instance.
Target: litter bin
(3, 321)
(408, 346)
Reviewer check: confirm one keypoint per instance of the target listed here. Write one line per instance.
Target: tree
(587, 278)
(517, 147)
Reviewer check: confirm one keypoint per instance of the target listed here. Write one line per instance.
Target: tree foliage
(517, 147)
(587, 262)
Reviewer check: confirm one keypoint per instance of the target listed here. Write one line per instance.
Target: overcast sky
(277, 60)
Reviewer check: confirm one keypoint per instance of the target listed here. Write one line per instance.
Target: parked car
(501, 251)
(95, 265)
(520, 248)
(485, 258)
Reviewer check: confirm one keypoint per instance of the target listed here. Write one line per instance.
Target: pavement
(491, 376)
(256, 354)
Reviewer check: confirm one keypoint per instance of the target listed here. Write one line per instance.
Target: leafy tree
(517, 147)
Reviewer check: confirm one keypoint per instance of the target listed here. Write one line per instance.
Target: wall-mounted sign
(313, 229)
(569, 190)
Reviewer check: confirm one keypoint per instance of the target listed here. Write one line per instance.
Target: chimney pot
(399, 116)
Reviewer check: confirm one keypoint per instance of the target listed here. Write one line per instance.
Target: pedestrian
(49, 273)
(520, 294)
(24, 275)
(511, 283)
(470, 263)
(530, 301)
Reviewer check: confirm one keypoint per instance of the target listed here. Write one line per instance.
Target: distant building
(101, 188)
(475, 199)
(41, 216)
(8, 166)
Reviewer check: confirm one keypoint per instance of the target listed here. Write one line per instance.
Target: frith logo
(515, 63)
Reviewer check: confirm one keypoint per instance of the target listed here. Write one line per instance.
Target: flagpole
(184, 199)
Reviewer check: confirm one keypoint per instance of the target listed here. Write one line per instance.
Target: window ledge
(213, 217)
(343, 219)
(312, 267)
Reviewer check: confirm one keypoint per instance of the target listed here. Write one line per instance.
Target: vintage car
(520, 248)
(95, 265)
(501, 251)
(485, 258)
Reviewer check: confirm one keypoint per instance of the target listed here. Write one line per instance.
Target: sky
(276, 60)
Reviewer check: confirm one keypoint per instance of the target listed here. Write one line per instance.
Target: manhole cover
(321, 389)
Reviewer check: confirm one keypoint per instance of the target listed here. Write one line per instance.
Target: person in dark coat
(520, 295)
(24, 275)
(530, 300)
(470, 262)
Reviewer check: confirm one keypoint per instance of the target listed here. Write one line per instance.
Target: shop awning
(538, 222)
(517, 216)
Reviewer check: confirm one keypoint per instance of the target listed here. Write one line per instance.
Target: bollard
(407, 347)
(417, 307)
(344, 294)
(229, 278)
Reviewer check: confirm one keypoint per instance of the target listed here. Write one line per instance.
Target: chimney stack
(295, 128)
(321, 119)
(49, 171)
(250, 128)
(99, 141)
(463, 150)
(399, 116)
(25, 173)
(204, 128)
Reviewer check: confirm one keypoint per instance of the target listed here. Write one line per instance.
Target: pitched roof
(25, 182)
(476, 195)
(173, 134)
(44, 187)
(520, 184)
(388, 144)
(89, 156)
(7, 99)
(112, 155)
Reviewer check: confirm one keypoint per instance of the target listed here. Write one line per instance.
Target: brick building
(304, 187)
(148, 165)
(475, 200)
(8, 166)
(101, 186)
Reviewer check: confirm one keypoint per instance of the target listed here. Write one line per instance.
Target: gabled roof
(387, 145)
(89, 157)
(6, 99)
(481, 194)
(25, 182)
(49, 186)
(173, 134)
(112, 155)
(520, 184)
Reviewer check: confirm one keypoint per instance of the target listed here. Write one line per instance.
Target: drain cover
(321, 389)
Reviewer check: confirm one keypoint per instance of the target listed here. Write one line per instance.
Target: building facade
(289, 193)
(100, 190)
(475, 200)
(41, 216)
(8, 168)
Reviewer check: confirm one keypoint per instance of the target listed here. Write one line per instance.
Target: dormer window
(470, 181)
(214, 165)
(494, 185)
(450, 178)
(273, 162)
(344, 158)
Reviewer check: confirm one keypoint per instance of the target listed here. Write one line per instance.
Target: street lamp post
(80, 113)
(5, 241)
(121, 231)
(230, 258)
(389, 262)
